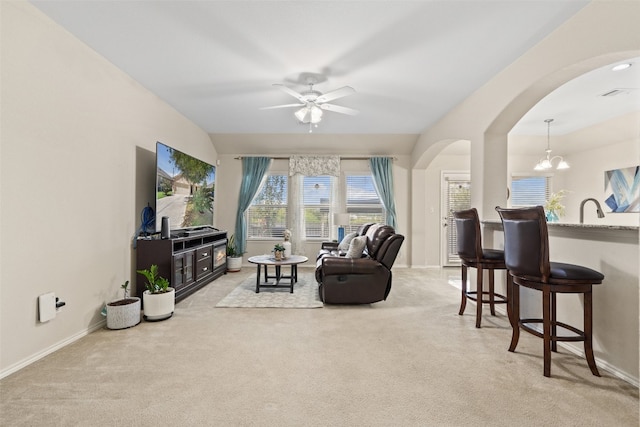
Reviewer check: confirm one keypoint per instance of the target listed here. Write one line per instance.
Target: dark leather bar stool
(469, 241)
(526, 248)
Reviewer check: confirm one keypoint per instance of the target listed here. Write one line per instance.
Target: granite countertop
(552, 225)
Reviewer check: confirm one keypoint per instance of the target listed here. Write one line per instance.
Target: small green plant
(278, 247)
(155, 284)
(231, 247)
(125, 288)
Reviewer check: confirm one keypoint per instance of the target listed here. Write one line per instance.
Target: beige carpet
(408, 361)
(305, 294)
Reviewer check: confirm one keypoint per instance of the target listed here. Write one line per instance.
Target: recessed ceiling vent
(619, 91)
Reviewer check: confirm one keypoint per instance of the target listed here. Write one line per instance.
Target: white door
(456, 195)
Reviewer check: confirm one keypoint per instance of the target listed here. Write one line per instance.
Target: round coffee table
(266, 260)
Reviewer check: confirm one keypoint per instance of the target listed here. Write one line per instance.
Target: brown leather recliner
(332, 247)
(360, 280)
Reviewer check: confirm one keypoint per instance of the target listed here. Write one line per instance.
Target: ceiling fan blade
(339, 109)
(282, 106)
(335, 94)
(291, 92)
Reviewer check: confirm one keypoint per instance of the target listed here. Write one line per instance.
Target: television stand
(190, 259)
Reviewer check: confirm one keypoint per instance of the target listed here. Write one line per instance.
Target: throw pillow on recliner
(344, 243)
(356, 247)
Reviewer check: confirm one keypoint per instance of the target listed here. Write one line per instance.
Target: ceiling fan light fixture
(316, 114)
(309, 114)
(314, 103)
(301, 114)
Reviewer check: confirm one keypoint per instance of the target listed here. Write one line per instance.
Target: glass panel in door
(456, 188)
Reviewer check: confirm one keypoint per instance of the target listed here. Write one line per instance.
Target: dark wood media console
(189, 259)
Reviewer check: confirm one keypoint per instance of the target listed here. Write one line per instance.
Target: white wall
(78, 159)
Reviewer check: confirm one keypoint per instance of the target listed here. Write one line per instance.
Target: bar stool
(526, 248)
(469, 241)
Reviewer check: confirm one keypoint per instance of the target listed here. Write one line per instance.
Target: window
(530, 190)
(457, 197)
(363, 203)
(267, 215)
(316, 204)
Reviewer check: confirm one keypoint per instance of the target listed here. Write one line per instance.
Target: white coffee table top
(270, 260)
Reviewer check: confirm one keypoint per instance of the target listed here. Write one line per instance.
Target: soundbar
(198, 230)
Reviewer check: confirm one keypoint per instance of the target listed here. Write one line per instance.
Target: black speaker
(164, 230)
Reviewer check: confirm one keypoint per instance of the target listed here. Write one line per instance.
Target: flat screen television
(185, 189)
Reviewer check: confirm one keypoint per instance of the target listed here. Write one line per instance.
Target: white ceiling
(580, 103)
(409, 61)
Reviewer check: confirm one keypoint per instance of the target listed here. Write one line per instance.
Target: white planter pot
(158, 306)
(234, 263)
(123, 316)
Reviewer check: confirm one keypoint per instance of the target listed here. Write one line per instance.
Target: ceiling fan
(314, 102)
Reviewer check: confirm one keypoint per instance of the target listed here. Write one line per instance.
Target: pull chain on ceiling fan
(314, 103)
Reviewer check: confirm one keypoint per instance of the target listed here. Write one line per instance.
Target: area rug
(305, 295)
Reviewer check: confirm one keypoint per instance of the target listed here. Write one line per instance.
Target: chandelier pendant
(546, 162)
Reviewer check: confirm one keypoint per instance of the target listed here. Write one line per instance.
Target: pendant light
(547, 162)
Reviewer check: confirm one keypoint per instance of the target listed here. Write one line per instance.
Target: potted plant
(234, 257)
(125, 312)
(278, 251)
(158, 300)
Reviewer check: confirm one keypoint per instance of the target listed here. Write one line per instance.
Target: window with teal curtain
(383, 179)
(253, 172)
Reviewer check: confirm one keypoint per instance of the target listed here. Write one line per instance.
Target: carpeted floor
(408, 361)
(305, 294)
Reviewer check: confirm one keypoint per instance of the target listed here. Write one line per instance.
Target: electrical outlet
(47, 307)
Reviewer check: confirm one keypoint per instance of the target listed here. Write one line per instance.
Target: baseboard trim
(55, 347)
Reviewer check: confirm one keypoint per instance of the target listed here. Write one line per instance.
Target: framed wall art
(622, 189)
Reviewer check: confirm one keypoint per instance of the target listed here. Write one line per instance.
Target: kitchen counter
(551, 225)
(619, 233)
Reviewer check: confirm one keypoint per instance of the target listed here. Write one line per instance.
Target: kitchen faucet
(598, 209)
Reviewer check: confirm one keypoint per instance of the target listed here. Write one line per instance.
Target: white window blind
(458, 199)
(530, 190)
(362, 202)
(267, 215)
(316, 205)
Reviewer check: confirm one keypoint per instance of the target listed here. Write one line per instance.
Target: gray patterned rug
(305, 295)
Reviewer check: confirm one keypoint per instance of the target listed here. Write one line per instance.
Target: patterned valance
(314, 165)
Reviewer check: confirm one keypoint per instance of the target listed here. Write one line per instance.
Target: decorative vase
(122, 314)
(277, 255)
(551, 216)
(287, 249)
(158, 306)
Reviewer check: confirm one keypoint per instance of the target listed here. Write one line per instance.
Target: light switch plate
(47, 307)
